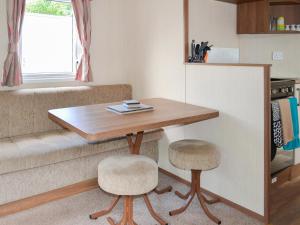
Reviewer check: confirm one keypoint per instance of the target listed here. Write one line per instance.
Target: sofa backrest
(26, 111)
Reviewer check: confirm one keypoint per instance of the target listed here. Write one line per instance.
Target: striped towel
(277, 134)
(286, 120)
(295, 143)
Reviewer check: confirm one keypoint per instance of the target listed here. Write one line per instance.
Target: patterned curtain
(12, 74)
(82, 12)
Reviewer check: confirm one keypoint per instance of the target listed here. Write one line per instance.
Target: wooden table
(94, 122)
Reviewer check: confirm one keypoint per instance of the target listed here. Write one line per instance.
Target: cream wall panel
(259, 49)
(238, 93)
(213, 21)
(154, 43)
(155, 48)
(154, 64)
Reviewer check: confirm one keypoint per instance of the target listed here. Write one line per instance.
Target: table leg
(135, 147)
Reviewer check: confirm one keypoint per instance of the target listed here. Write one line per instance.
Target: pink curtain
(12, 74)
(82, 12)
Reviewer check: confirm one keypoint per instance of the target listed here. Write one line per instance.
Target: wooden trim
(295, 171)
(223, 200)
(228, 64)
(31, 202)
(267, 144)
(186, 29)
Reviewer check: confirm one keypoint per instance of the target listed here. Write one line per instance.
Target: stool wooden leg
(127, 218)
(110, 221)
(207, 212)
(152, 212)
(196, 175)
(196, 190)
(182, 209)
(183, 196)
(164, 190)
(210, 201)
(96, 215)
(190, 196)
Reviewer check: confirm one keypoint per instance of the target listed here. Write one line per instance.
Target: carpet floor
(75, 210)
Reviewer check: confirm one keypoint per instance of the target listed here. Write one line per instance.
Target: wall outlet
(277, 56)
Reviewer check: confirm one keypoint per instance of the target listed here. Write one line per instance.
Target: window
(49, 43)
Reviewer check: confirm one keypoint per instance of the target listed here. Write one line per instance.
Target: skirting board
(40, 199)
(34, 201)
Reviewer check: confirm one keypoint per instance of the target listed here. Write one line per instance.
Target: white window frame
(41, 77)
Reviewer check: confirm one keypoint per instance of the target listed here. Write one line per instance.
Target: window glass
(49, 38)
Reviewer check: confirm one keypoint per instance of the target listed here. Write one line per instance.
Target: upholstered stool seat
(197, 156)
(128, 175)
(194, 155)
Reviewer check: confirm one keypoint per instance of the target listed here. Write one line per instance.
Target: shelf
(284, 2)
(272, 2)
(253, 17)
(283, 32)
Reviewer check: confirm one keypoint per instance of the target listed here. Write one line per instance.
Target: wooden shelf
(284, 2)
(283, 32)
(253, 17)
(272, 2)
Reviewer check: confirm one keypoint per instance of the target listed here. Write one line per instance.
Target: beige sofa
(37, 156)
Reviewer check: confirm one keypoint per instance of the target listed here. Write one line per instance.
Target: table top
(94, 122)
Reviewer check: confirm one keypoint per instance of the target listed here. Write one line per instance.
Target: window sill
(47, 78)
(63, 80)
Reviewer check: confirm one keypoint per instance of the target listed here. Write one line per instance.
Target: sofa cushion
(26, 111)
(40, 149)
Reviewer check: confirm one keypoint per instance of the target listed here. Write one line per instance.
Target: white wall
(155, 69)
(213, 21)
(107, 50)
(107, 43)
(259, 48)
(154, 42)
(238, 93)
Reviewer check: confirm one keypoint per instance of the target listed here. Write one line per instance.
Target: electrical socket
(277, 56)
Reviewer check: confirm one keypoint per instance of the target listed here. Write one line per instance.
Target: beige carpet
(75, 210)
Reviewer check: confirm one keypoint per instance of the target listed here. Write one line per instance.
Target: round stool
(128, 175)
(197, 156)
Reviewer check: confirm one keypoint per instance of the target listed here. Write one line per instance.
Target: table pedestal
(135, 148)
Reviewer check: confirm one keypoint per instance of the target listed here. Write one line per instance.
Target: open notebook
(121, 109)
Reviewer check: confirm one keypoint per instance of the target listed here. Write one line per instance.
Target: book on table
(124, 109)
